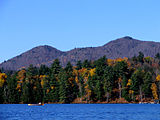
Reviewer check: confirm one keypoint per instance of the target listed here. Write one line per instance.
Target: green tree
(79, 65)
(69, 68)
(32, 71)
(141, 57)
(27, 96)
(54, 89)
(146, 87)
(28, 85)
(137, 81)
(125, 88)
(64, 87)
(37, 91)
(100, 66)
(121, 71)
(99, 90)
(86, 64)
(56, 67)
(43, 70)
(90, 89)
(157, 56)
(13, 96)
(108, 82)
(81, 86)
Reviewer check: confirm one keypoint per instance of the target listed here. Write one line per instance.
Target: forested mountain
(122, 47)
(127, 80)
(36, 56)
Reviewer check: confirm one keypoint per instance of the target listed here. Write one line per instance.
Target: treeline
(105, 80)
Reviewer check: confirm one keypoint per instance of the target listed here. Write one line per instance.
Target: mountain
(35, 56)
(122, 47)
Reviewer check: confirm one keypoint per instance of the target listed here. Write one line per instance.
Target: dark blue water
(80, 112)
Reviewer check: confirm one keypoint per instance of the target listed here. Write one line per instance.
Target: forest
(121, 80)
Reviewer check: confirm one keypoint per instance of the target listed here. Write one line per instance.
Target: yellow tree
(3, 92)
(158, 83)
(3, 78)
(85, 74)
(80, 82)
(21, 78)
(158, 78)
(44, 80)
(154, 91)
(131, 92)
(92, 71)
(120, 87)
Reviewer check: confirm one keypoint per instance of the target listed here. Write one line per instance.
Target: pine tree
(69, 67)
(140, 57)
(124, 88)
(86, 64)
(157, 56)
(108, 82)
(99, 90)
(54, 89)
(37, 91)
(13, 96)
(55, 67)
(137, 81)
(43, 70)
(146, 87)
(64, 87)
(79, 65)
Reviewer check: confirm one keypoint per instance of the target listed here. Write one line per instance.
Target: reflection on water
(80, 112)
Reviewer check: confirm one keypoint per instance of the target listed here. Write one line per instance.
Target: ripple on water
(80, 112)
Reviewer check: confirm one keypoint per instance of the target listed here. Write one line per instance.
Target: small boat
(39, 104)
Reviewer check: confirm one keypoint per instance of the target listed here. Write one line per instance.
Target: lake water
(80, 112)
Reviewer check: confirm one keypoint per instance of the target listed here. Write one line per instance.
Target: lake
(80, 112)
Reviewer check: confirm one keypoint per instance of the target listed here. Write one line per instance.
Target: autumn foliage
(121, 80)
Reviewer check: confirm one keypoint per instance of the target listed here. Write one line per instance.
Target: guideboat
(39, 104)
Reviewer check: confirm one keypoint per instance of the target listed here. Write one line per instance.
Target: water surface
(80, 112)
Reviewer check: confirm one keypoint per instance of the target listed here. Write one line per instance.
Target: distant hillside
(36, 56)
(122, 47)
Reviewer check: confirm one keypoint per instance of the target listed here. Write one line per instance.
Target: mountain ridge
(45, 54)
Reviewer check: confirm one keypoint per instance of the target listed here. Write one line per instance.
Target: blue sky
(66, 24)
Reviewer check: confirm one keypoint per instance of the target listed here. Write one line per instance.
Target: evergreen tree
(124, 88)
(108, 82)
(99, 90)
(43, 70)
(56, 67)
(13, 96)
(86, 64)
(141, 57)
(100, 66)
(146, 88)
(157, 56)
(90, 89)
(79, 65)
(64, 87)
(54, 89)
(31, 71)
(28, 85)
(37, 91)
(81, 86)
(1, 95)
(25, 93)
(137, 81)
(121, 71)
(69, 68)
(45, 88)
